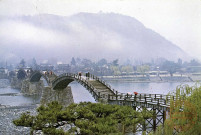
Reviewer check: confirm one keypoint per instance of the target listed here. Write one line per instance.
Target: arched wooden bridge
(100, 90)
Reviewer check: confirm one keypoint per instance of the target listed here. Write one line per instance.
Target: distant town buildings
(112, 68)
(4, 73)
(46, 67)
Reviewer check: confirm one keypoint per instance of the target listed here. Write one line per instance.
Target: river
(13, 103)
(13, 97)
(81, 94)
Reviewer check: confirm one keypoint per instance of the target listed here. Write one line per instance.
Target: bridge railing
(88, 85)
(142, 96)
(159, 99)
(103, 82)
(155, 98)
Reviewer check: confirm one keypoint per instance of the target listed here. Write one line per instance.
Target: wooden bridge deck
(101, 90)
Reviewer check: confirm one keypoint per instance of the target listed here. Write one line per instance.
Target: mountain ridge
(88, 35)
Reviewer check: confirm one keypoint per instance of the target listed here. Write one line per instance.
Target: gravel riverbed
(8, 114)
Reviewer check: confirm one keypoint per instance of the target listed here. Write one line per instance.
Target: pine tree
(83, 118)
(73, 62)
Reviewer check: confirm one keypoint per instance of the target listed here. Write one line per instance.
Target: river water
(13, 103)
(81, 94)
(13, 97)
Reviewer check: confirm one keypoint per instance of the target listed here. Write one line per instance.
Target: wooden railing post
(154, 119)
(145, 99)
(116, 95)
(165, 101)
(135, 97)
(164, 117)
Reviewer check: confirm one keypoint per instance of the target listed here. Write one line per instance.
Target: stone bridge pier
(33, 85)
(63, 96)
(31, 88)
(58, 90)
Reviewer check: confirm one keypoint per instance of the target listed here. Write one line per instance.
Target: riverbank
(12, 105)
(20, 103)
(148, 79)
(8, 114)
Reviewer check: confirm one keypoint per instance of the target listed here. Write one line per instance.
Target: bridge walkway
(103, 89)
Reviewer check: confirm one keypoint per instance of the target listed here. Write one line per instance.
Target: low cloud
(93, 36)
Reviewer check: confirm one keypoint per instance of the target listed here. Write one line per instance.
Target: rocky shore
(8, 114)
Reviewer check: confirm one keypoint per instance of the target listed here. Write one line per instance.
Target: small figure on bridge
(80, 74)
(87, 75)
(135, 93)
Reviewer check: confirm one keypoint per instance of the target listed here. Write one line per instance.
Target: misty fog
(85, 35)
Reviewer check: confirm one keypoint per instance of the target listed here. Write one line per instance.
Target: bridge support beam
(63, 96)
(154, 120)
(134, 108)
(164, 117)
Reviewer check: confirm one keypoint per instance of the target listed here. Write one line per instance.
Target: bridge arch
(62, 81)
(153, 101)
(98, 88)
(21, 74)
(36, 76)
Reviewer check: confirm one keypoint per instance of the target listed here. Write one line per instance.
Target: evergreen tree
(73, 62)
(102, 62)
(83, 118)
(22, 63)
(34, 64)
(143, 69)
(115, 62)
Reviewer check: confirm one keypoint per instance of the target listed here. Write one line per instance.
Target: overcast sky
(177, 20)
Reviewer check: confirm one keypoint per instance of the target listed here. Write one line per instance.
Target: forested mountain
(85, 35)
